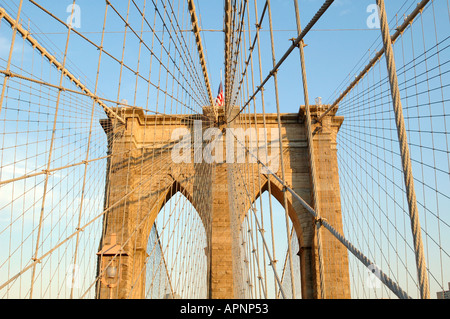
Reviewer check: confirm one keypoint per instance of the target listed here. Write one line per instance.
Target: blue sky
(335, 45)
(338, 47)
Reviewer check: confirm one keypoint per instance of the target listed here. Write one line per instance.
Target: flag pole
(217, 113)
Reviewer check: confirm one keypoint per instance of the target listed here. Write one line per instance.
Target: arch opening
(176, 265)
(259, 278)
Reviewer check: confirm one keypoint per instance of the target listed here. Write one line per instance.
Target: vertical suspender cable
(269, 187)
(49, 161)
(281, 150)
(312, 163)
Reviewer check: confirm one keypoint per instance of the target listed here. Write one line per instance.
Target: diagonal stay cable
(198, 39)
(408, 21)
(294, 45)
(26, 35)
(393, 286)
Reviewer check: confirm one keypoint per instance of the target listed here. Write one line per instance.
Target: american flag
(219, 98)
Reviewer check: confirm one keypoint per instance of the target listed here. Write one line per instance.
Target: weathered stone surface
(142, 177)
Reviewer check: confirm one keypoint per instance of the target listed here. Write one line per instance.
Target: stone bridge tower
(140, 151)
